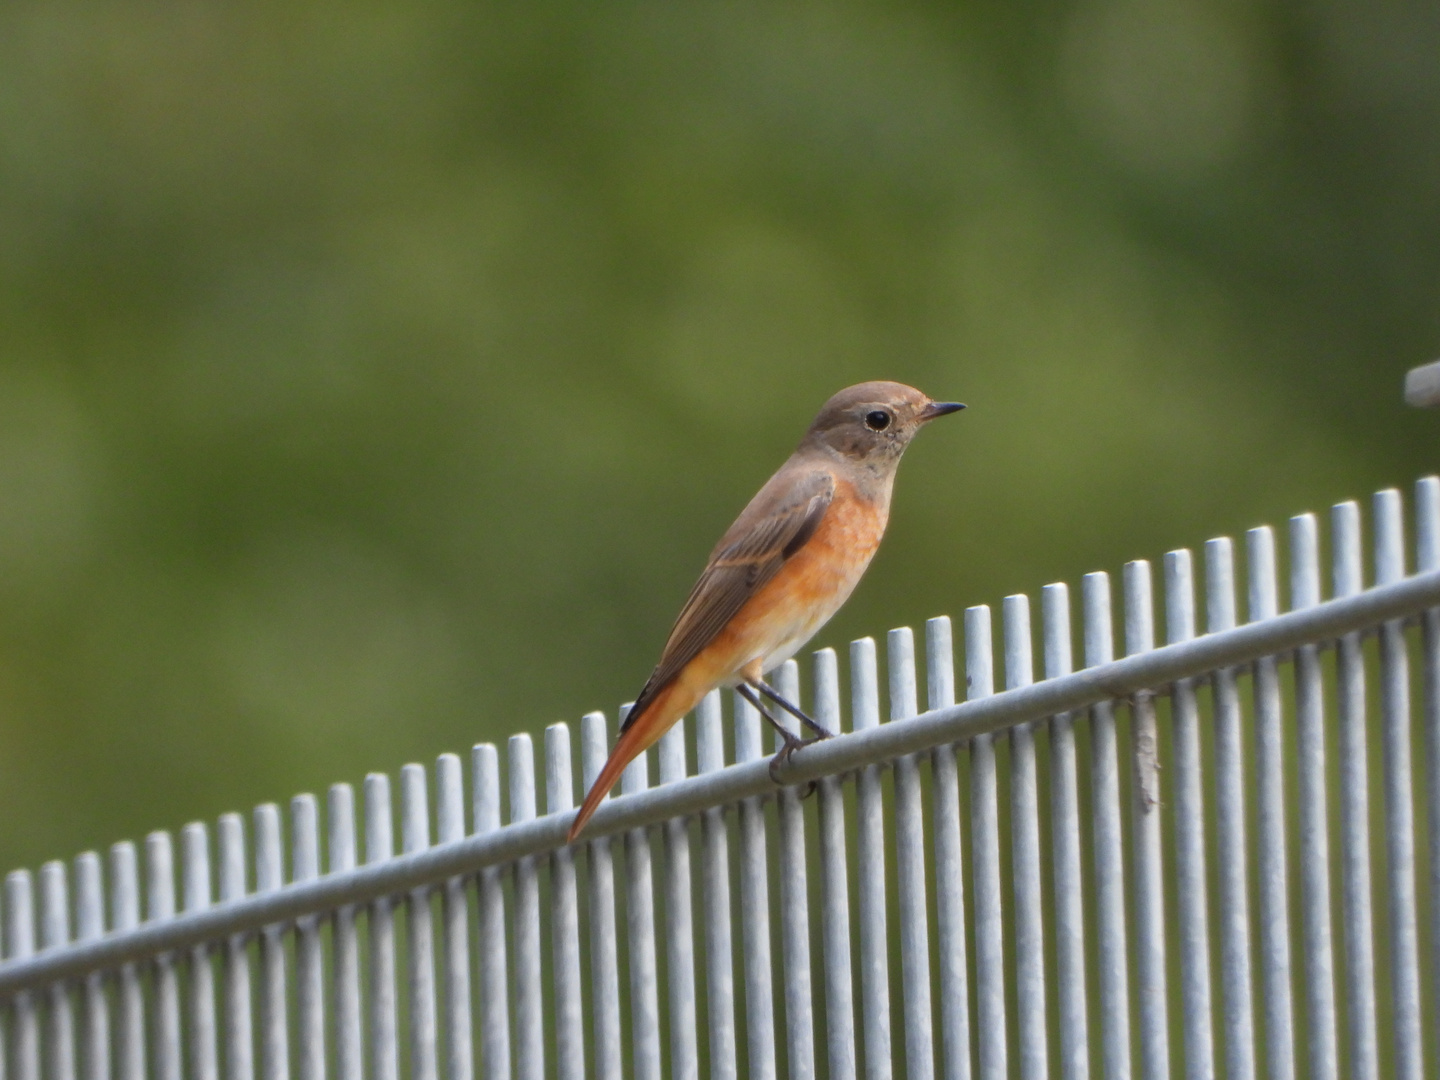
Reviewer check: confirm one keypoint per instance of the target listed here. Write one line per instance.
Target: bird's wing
(765, 536)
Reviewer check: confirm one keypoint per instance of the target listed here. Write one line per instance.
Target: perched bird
(779, 573)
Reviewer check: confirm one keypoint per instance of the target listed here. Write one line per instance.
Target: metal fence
(1167, 863)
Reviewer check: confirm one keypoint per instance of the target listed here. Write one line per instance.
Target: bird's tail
(637, 736)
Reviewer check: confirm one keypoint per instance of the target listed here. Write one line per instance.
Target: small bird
(779, 573)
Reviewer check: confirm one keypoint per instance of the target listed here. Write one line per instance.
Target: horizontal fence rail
(1219, 855)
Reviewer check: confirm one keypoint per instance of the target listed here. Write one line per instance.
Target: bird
(780, 572)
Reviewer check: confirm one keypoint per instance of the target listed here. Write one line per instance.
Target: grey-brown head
(874, 422)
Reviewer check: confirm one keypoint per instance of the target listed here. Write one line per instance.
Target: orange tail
(633, 741)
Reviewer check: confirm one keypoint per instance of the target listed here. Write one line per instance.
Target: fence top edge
(1118, 679)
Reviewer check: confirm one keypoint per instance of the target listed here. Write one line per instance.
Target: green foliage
(374, 379)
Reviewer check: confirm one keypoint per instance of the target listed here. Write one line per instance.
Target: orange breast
(791, 607)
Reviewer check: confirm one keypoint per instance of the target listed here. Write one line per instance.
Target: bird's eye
(878, 420)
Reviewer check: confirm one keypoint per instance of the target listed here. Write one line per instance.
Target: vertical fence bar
(1065, 825)
(949, 862)
(564, 914)
(1230, 843)
(125, 897)
(1355, 806)
(679, 918)
(919, 1019)
(1399, 798)
(719, 949)
(640, 931)
(200, 1010)
(55, 934)
(1427, 559)
(90, 925)
(985, 854)
(870, 862)
(1149, 869)
(529, 996)
(1025, 851)
(835, 879)
(239, 1025)
(420, 930)
(19, 944)
(1190, 878)
(274, 1010)
(309, 964)
(794, 906)
(604, 951)
(345, 939)
(493, 962)
(1109, 856)
(1319, 969)
(755, 908)
(1270, 799)
(160, 894)
(455, 923)
(384, 1021)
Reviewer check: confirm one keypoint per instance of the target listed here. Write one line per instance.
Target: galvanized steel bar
(200, 996)
(55, 934)
(679, 918)
(949, 862)
(604, 951)
(384, 1019)
(1237, 1004)
(309, 963)
(344, 938)
(1356, 885)
(1150, 996)
(719, 949)
(1319, 969)
(493, 962)
(835, 887)
(1427, 557)
(455, 924)
(1190, 877)
(1030, 1020)
(274, 1006)
(755, 908)
(1399, 798)
(870, 865)
(640, 931)
(1065, 829)
(89, 925)
(569, 1017)
(130, 1044)
(1109, 856)
(985, 855)
(529, 994)
(919, 1016)
(166, 1060)
(420, 926)
(794, 901)
(1270, 830)
(20, 943)
(239, 1025)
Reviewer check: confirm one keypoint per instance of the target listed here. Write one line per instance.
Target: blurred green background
(375, 378)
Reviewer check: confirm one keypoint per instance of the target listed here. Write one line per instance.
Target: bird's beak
(939, 408)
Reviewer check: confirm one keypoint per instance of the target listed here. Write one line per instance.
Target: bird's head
(872, 423)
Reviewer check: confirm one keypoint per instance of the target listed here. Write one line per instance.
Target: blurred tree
(374, 379)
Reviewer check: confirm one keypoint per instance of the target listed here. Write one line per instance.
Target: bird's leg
(794, 710)
(789, 742)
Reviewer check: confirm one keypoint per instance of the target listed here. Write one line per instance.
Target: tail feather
(637, 734)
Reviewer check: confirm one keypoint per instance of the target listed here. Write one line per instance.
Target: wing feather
(748, 556)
